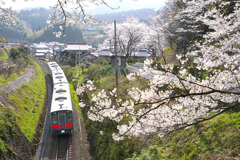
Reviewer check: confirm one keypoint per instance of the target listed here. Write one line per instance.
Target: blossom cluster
(7, 13)
(174, 101)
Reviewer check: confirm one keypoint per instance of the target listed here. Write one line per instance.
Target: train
(61, 105)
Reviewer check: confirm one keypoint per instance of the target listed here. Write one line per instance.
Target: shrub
(3, 150)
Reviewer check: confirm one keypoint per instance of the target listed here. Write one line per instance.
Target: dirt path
(7, 51)
(11, 87)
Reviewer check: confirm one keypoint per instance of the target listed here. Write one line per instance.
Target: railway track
(62, 148)
(53, 147)
(42, 65)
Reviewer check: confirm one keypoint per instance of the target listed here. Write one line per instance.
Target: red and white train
(61, 105)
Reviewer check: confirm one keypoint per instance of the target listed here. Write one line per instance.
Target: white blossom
(176, 100)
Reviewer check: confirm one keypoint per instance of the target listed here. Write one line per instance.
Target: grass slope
(3, 54)
(3, 79)
(29, 100)
(218, 138)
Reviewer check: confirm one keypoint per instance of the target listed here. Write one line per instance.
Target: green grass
(8, 128)
(13, 76)
(3, 54)
(75, 99)
(4, 80)
(214, 139)
(29, 100)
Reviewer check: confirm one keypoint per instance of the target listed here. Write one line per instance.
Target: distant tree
(14, 53)
(98, 70)
(157, 41)
(2, 39)
(25, 52)
(131, 36)
(21, 64)
(8, 69)
(85, 64)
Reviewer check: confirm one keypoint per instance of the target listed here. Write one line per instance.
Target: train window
(59, 77)
(54, 118)
(60, 98)
(57, 73)
(60, 91)
(61, 118)
(69, 116)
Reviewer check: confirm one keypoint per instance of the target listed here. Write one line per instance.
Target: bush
(14, 53)
(7, 124)
(8, 129)
(3, 150)
(99, 70)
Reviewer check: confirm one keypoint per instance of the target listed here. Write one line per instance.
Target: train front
(61, 110)
(62, 122)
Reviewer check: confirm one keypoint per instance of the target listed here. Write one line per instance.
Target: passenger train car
(61, 105)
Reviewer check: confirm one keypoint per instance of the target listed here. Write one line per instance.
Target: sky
(124, 5)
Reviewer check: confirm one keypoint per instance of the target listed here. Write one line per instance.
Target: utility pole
(115, 50)
(79, 62)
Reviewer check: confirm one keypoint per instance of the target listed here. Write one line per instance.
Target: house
(81, 47)
(56, 47)
(89, 56)
(13, 44)
(105, 53)
(109, 56)
(42, 51)
(138, 56)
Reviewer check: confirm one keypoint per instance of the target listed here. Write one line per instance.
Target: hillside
(73, 34)
(35, 18)
(15, 32)
(141, 14)
(218, 138)
(31, 23)
(21, 104)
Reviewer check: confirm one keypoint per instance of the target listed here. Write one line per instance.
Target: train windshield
(69, 116)
(61, 118)
(54, 118)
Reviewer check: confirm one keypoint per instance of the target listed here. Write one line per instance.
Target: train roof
(61, 98)
(57, 73)
(58, 77)
(53, 65)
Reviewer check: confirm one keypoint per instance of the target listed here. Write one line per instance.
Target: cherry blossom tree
(6, 13)
(157, 41)
(174, 101)
(132, 35)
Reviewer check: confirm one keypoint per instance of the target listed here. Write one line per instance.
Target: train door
(62, 121)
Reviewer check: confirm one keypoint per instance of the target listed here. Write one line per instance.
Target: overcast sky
(125, 5)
